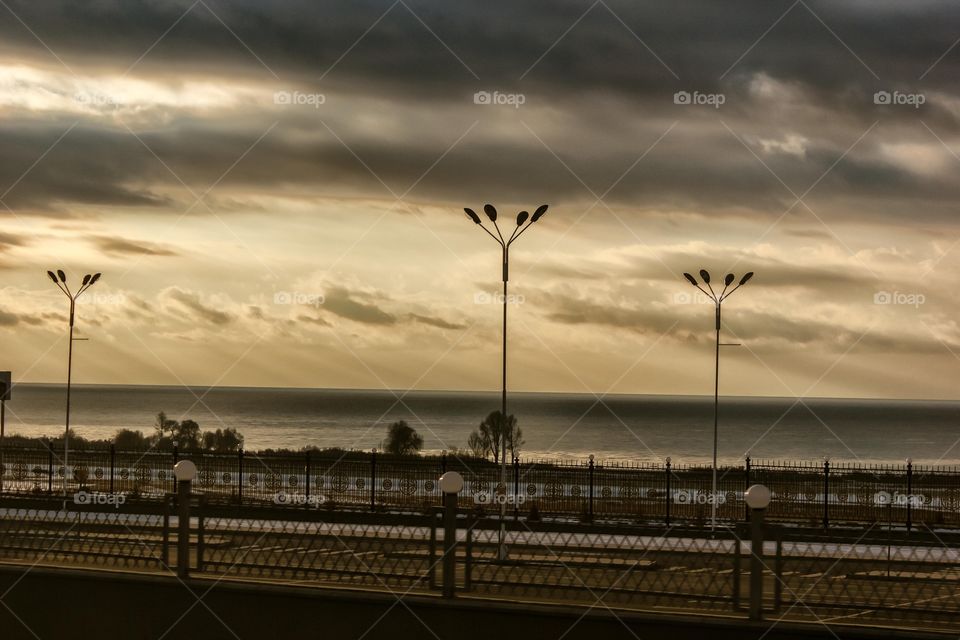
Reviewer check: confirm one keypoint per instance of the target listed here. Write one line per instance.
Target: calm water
(554, 425)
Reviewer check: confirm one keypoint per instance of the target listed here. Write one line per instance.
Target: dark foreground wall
(49, 603)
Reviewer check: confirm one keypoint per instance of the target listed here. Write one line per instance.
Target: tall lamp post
(718, 302)
(60, 279)
(524, 222)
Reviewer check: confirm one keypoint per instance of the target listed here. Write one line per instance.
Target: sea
(623, 428)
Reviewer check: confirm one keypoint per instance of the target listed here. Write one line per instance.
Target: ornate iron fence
(816, 494)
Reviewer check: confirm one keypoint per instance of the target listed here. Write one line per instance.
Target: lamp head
(451, 482)
(95, 277)
(185, 470)
(86, 279)
(542, 209)
(62, 276)
(53, 277)
(757, 497)
(728, 280)
(522, 217)
(746, 277)
(690, 278)
(491, 212)
(705, 275)
(472, 215)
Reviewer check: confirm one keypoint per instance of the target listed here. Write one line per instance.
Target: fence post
(50, 466)
(909, 493)
(113, 458)
(826, 494)
(185, 472)
(433, 550)
(240, 476)
(746, 469)
(590, 509)
(669, 496)
(373, 480)
(307, 486)
(516, 487)
(757, 498)
(176, 459)
(450, 484)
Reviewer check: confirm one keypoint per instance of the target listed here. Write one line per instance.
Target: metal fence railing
(818, 494)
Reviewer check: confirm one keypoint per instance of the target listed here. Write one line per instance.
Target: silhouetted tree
(130, 440)
(486, 439)
(402, 439)
(228, 439)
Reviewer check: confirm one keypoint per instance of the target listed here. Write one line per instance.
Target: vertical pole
(746, 485)
(240, 476)
(669, 496)
(200, 536)
(432, 567)
(373, 480)
(113, 460)
(3, 422)
(449, 543)
(516, 487)
(307, 470)
(468, 556)
(756, 564)
(909, 494)
(66, 429)
(502, 547)
(176, 459)
(716, 423)
(49, 466)
(826, 495)
(165, 545)
(590, 508)
(183, 529)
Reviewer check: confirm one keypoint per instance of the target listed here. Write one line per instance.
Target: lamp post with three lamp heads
(524, 222)
(718, 303)
(60, 279)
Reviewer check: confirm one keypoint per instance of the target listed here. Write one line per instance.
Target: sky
(274, 193)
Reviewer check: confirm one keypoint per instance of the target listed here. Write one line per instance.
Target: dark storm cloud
(341, 302)
(191, 302)
(598, 97)
(439, 323)
(124, 246)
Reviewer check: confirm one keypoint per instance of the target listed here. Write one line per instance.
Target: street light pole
(718, 304)
(60, 279)
(524, 222)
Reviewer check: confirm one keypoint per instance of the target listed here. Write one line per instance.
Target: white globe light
(757, 497)
(185, 470)
(451, 482)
